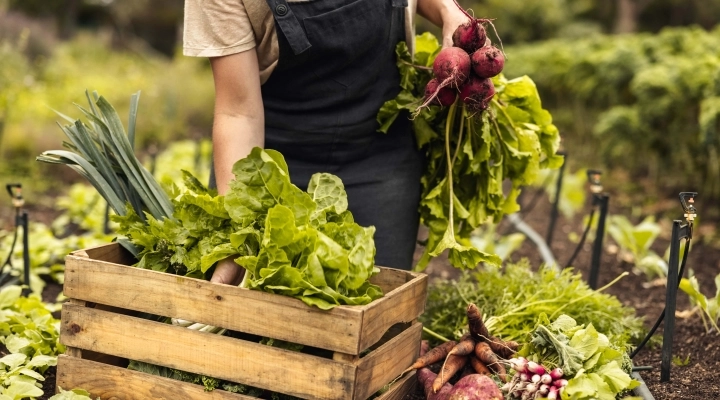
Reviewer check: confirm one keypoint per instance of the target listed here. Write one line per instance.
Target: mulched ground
(694, 381)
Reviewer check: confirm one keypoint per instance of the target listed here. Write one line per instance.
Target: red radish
(546, 379)
(560, 383)
(535, 368)
(477, 93)
(556, 374)
(451, 66)
(445, 96)
(535, 378)
(470, 36)
(487, 62)
(552, 393)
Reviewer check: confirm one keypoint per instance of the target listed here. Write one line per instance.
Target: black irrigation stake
(600, 200)
(21, 220)
(680, 231)
(556, 202)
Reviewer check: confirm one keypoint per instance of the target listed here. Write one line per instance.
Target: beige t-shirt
(216, 28)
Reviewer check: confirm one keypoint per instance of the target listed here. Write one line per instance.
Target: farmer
(307, 78)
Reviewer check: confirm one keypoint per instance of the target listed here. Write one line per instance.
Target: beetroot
(426, 379)
(476, 93)
(451, 66)
(487, 62)
(470, 36)
(475, 387)
(440, 96)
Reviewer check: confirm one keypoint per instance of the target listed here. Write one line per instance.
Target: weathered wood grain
(115, 383)
(401, 388)
(387, 362)
(221, 357)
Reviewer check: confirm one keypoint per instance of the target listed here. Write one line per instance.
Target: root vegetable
(441, 96)
(424, 347)
(470, 36)
(453, 364)
(477, 327)
(546, 379)
(535, 368)
(465, 346)
(433, 356)
(475, 387)
(426, 379)
(502, 348)
(451, 67)
(485, 354)
(560, 383)
(476, 93)
(487, 62)
(556, 374)
(479, 366)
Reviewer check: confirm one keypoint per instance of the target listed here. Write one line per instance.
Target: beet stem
(448, 123)
(462, 9)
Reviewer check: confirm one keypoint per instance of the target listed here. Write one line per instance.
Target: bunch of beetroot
(533, 381)
(465, 69)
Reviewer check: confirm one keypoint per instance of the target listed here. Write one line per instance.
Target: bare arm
(239, 123)
(443, 13)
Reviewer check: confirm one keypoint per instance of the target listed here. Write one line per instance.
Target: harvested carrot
(502, 348)
(465, 346)
(453, 364)
(433, 356)
(479, 367)
(485, 354)
(477, 327)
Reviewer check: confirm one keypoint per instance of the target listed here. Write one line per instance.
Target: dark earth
(691, 380)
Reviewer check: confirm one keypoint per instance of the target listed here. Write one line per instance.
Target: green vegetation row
(649, 104)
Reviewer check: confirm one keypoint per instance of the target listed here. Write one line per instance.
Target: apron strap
(400, 3)
(290, 26)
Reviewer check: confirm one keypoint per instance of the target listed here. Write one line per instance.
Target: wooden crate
(351, 351)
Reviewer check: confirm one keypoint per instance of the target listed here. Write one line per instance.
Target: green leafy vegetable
(470, 157)
(513, 299)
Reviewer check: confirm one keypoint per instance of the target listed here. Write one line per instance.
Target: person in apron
(335, 67)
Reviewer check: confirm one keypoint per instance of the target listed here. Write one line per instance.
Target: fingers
(228, 272)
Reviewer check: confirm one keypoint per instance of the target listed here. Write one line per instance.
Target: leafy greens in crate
(295, 243)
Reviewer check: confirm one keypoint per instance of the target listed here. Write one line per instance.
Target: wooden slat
(404, 304)
(238, 309)
(401, 388)
(221, 357)
(391, 279)
(111, 252)
(387, 362)
(115, 383)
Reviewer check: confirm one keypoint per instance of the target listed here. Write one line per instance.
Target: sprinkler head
(687, 201)
(594, 179)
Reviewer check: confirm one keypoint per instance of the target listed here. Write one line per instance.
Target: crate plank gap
(351, 351)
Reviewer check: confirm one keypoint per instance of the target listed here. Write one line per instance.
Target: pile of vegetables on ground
(470, 153)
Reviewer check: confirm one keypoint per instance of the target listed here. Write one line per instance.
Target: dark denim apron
(336, 68)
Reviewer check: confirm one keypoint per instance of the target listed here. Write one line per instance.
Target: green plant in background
(618, 96)
(512, 300)
(31, 335)
(635, 242)
(710, 308)
(573, 191)
(486, 239)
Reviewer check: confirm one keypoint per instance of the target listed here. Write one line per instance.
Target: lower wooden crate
(115, 383)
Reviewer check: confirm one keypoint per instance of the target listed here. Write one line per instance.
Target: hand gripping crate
(350, 352)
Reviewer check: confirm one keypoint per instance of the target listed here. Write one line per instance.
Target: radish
(556, 374)
(519, 364)
(552, 393)
(546, 379)
(445, 96)
(477, 93)
(535, 368)
(560, 383)
(487, 61)
(535, 378)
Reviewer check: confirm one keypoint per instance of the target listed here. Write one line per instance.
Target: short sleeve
(216, 28)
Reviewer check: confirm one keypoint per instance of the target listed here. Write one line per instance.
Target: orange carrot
(433, 356)
(485, 354)
(502, 348)
(477, 327)
(479, 366)
(465, 346)
(453, 364)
